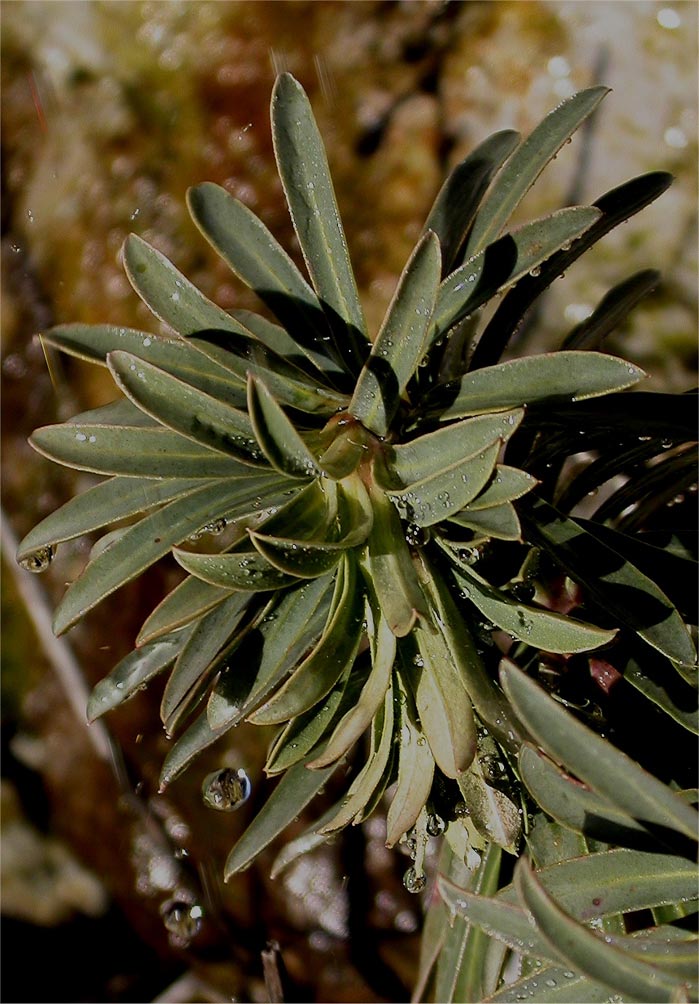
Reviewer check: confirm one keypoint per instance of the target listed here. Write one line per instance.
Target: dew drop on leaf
(39, 560)
(413, 882)
(226, 789)
(435, 825)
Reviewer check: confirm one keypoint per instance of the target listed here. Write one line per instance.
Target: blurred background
(110, 110)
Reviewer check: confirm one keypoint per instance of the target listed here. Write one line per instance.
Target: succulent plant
(370, 525)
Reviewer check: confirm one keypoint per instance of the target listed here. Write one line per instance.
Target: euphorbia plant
(377, 538)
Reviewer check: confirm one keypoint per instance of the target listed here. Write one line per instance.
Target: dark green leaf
(246, 570)
(185, 603)
(498, 521)
(612, 310)
(278, 439)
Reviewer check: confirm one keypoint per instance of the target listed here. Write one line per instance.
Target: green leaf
(388, 567)
(243, 355)
(534, 626)
(353, 806)
(193, 670)
(304, 731)
(278, 439)
(185, 603)
(507, 484)
(142, 545)
(168, 294)
(177, 356)
(245, 570)
(415, 772)
(108, 502)
(487, 699)
(133, 672)
(132, 452)
(427, 454)
(552, 985)
(185, 409)
(527, 163)
(305, 177)
(443, 702)
(333, 654)
(357, 720)
(401, 341)
(257, 258)
(616, 206)
(612, 309)
(576, 806)
(586, 951)
(293, 793)
(560, 375)
(504, 262)
(460, 195)
(608, 771)
(493, 814)
(198, 737)
(500, 521)
(653, 679)
(616, 585)
(445, 493)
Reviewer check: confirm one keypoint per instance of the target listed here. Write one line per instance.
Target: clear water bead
(226, 789)
(413, 882)
(39, 560)
(182, 919)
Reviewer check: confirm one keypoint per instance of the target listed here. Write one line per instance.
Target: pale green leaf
(415, 772)
(499, 521)
(493, 813)
(185, 603)
(401, 341)
(507, 484)
(526, 164)
(594, 760)
(305, 176)
(246, 570)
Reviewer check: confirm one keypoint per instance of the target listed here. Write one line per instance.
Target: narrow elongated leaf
(370, 776)
(443, 703)
(305, 177)
(293, 793)
(190, 412)
(576, 806)
(445, 493)
(358, 718)
(175, 355)
(415, 772)
(112, 500)
(142, 545)
(612, 309)
(527, 163)
(615, 206)
(246, 570)
(133, 452)
(494, 815)
(278, 339)
(678, 699)
(572, 375)
(487, 699)
(460, 195)
(543, 629)
(401, 341)
(304, 731)
(427, 454)
(586, 951)
(613, 582)
(198, 737)
(186, 602)
(335, 651)
(168, 294)
(388, 566)
(551, 984)
(133, 672)
(257, 258)
(508, 483)
(291, 628)
(504, 262)
(500, 521)
(607, 770)
(278, 439)
(192, 670)
(244, 355)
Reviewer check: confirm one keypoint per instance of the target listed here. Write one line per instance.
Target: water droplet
(461, 810)
(414, 882)
(182, 919)
(226, 789)
(435, 825)
(536, 271)
(39, 560)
